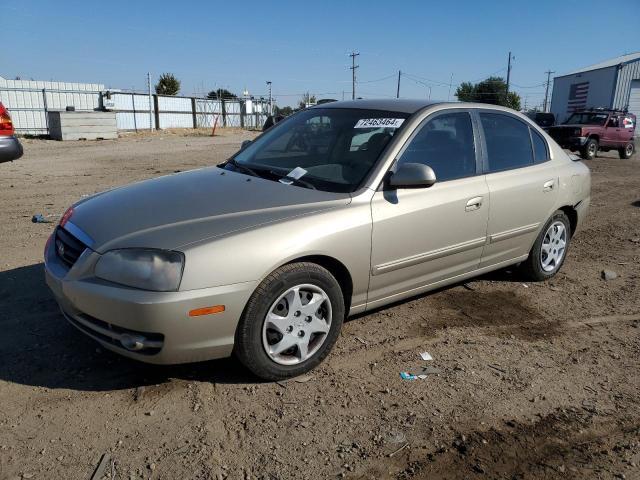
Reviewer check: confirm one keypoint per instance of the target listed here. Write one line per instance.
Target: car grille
(68, 247)
(561, 133)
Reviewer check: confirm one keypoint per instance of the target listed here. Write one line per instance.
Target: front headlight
(157, 270)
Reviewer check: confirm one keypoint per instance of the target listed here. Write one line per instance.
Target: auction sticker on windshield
(379, 122)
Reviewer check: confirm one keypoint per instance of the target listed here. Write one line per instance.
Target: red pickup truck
(594, 130)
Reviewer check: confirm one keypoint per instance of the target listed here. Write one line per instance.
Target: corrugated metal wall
(600, 89)
(27, 101)
(177, 112)
(626, 74)
(133, 111)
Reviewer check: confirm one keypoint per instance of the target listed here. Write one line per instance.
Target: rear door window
(444, 143)
(508, 142)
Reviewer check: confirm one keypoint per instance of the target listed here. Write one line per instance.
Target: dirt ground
(528, 380)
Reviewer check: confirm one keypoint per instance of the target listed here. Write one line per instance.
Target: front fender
(343, 233)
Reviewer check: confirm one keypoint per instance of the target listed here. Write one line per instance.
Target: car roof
(392, 105)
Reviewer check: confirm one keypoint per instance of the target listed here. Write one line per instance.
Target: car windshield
(587, 119)
(330, 149)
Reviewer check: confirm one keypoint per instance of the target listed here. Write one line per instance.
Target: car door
(611, 132)
(423, 236)
(523, 185)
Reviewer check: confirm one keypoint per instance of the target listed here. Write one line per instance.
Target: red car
(10, 148)
(594, 130)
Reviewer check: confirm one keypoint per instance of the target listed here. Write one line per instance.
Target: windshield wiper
(243, 168)
(291, 180)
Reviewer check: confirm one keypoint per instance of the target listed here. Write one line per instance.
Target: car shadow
(38, 347)
(509, 275)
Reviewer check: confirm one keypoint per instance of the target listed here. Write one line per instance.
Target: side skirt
(433, 286)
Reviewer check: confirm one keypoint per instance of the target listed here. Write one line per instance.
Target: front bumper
(157, 324)
(572, 143)
(10, 149)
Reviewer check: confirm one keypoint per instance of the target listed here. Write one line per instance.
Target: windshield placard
(379, 122)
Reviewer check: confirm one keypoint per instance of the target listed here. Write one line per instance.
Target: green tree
(284, 111)
(168, 84)
(307, 99)
(513, 101)
(465, 92)
(492, 90)
(221, 93)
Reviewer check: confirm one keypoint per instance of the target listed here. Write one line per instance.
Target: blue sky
(304, 46)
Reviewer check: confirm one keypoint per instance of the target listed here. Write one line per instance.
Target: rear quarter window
(540, 149)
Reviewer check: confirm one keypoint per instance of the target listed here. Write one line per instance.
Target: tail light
(6, 125)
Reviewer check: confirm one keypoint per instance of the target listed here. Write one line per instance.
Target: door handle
(548, 186)
(473, 204)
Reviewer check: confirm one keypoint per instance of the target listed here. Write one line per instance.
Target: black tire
(531, 269)
(248, 346)
(627, 151)
(590, 149)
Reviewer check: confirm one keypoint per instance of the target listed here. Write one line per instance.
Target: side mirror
(412, 175)
(245, 144)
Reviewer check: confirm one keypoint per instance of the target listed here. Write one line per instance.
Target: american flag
(577, 97)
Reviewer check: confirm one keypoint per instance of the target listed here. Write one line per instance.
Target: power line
(377, 80)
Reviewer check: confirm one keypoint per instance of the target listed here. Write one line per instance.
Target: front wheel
(627, 151)
(590, 149)
(549, 250)
(291, 321)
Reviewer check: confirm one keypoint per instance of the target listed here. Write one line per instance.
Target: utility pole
(508, 73)
(398, 92)
(270, 99)
(450, 85)
(546, 92)
(150, 102)
(353, 67)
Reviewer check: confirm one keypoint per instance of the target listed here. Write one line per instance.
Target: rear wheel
(291, 322)
(590, 149)
(549, 250)
(627, 151)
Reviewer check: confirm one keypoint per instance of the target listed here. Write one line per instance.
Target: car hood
(176, 210)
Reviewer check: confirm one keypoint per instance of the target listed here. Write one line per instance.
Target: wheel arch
(337, 269)
(572, 214)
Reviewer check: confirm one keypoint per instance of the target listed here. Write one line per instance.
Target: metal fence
(29, 103)
(135, 111)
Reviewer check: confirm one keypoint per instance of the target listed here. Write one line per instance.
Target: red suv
(10, 148)
(601, 129)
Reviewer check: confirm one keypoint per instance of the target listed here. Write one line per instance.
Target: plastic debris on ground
(426, 356)
(39, 218)
(407, 376)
